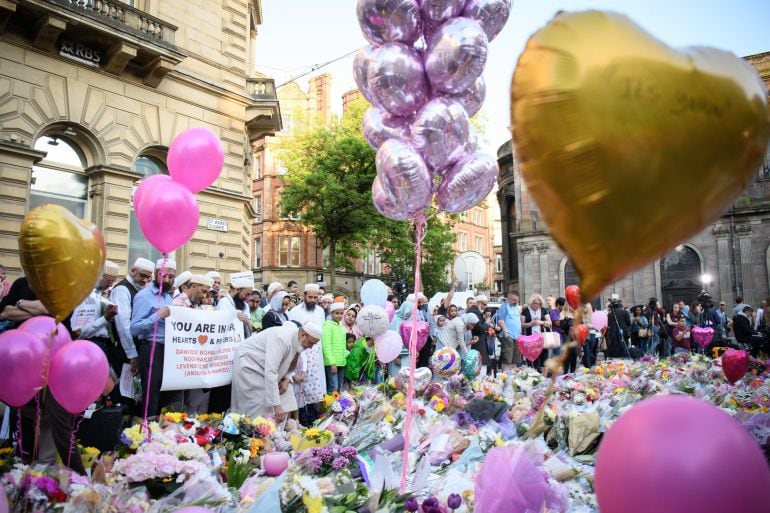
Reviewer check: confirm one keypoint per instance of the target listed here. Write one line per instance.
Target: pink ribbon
(152, 349)
(412, 355)
(75, 426)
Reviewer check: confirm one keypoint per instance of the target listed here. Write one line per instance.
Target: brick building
(729, 258)
(93, 92)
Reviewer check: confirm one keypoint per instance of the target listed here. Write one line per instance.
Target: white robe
(259, 364)
(311, 362)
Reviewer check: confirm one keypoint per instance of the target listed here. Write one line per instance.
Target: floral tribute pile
(350, 460)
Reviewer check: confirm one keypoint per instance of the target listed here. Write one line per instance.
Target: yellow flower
(6, 451)
(175, 416)
(216, 416)
(314, 504)
(312, 433)
(203, 417)
(257, 444)
(389, 418)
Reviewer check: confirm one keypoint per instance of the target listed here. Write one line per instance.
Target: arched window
(680, 273)
(571, 278)
(138, 246)
(59, 178)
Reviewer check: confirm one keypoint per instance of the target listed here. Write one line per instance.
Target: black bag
(636, 352)
(103, 429)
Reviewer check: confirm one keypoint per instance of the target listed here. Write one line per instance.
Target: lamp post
(706, 280)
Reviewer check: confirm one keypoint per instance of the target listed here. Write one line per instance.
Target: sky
(297, 36)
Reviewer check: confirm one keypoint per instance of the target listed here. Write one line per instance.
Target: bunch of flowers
(344, 407)
(6, 460)
(323, 460)
(41, 487)
(175, 417)
(329, 399)
(433, 505)
(88, 455)
(134, 436)
(263, 427)
(438, 403)
(158, 460)
(236, 423)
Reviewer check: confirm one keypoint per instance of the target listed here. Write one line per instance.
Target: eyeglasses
(145, 276)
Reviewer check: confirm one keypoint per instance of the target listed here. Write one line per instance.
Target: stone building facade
(729, 258)
(92, 92)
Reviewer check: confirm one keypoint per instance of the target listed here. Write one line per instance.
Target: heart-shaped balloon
(396, 78)
(467, 182)
(384, 21)
(491, 14)
(603, 114)
(472, 364)
(572, 294)
(456, 55)
(580, 333)
(530, 345)
(702, 336)
(422, 377)
(378, 126)
(385, 203)
(438, 11)
(62, 257)
(735, 364)
(440, 132)
(422, 333)
(404, 176)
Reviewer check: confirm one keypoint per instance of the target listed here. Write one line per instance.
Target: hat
(410, 298)
(165, 262)
(481, 298)
(312, 329)
(722, 303)
(110, 268)
(327, 297)
(274, 287)
(213, 275)
(200, 279)
(470, 318)
(144, 265)
(182, 279)
(311, 287)
(339, 299)
(242, 280)
(336, 306)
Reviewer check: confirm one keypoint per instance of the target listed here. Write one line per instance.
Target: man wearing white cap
(122, 296)
(144, 317)
(312, 390)
(196, 287)
(181, 283)
(272, 289)
(262, 368)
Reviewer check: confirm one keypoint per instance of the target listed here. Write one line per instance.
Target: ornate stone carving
(743, 230)
(720, 231)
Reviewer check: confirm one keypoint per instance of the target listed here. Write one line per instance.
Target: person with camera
(655, 321)
(681, 334)
(618, 330)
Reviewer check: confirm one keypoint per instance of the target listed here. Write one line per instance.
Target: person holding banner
(196, 400)
(146, 312)
(263, 365)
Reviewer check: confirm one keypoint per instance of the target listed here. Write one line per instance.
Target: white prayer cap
(336, 306)
(111, 268)
(327, 297)
(410, 298)
(182, 279)
(213, 275)
(470, 318)
(242, 280)
(481, 298)
(312, 287)
(170, 264)
(274, 287)
(312, 329)
(144, 265)
(200, 279)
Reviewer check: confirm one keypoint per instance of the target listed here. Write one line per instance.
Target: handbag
(643, 333)
(551, 340)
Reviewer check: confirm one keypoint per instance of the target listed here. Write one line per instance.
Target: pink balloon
(144, 186)
(735, 364)
(360, 70)
(491, 14)
(472, 98)
(385, 203)
(388, 346)
(390, 309)
(702, 336)
(599, 319)
(456, 55)
(195, 158)
(437, 12)
(423, 330)
(169, 216)
(42, 327)
(383, 21)
(404, 176)
(397, 81)
(530, 346)
(467, 182)
(379, 126)
(77, 375)
(23, 365)
(440, 132)
(703, 461)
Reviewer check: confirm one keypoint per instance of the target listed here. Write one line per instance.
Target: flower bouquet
(310, 438)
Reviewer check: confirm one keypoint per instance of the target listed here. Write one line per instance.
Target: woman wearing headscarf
(349, 321)
(456, 332)
(403, 313)
(276, 316)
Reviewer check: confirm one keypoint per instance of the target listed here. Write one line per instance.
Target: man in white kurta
(313, 388)
(262, 366)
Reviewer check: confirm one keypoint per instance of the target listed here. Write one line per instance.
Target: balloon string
(37, 426)
(75, 426)
(152, 348)
(419, 224)
(19, 443)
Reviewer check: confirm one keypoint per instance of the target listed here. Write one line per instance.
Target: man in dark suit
(742, 325)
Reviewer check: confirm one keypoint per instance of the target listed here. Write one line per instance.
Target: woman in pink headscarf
(349, 321)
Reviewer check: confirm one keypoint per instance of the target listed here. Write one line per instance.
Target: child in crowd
(334, 347)
(361, 362)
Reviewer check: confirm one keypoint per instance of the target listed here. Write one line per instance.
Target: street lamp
(706, 280)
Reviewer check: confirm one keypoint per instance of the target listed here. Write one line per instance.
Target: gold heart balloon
(62, 257)
(628, 146)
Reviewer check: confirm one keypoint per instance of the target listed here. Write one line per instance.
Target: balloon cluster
(422, 73)
(167, 211)
(41, 352)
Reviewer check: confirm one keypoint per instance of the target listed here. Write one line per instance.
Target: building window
(462, 241)
(478, 217)
(257, 165)
(498, 263)
(138, 245)
(257, 253)
(499, 286)
(258, 204)
(680, 265)
(480, 246)
(463, 216)
(59, 177)
(288, 251)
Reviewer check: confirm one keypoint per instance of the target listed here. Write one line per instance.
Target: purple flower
(325, 453)
(314, 464)
(349, 452)
(340, 462)
(454, 501)
(411, 504)
(345, 403)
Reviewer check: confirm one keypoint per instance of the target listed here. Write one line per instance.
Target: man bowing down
(262, 368)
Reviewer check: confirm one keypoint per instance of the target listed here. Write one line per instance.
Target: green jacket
(360, 360)
(333, 344)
